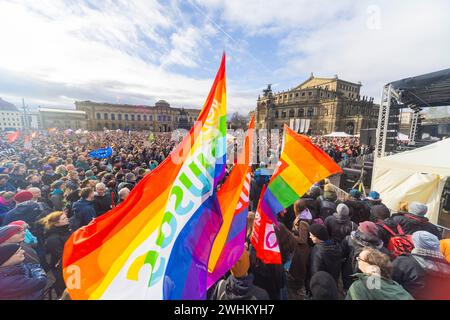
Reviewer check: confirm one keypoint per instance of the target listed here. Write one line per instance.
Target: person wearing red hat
(365, 236)
(29, 211)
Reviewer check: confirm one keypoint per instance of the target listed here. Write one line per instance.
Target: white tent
(416, 175)
(338, 134)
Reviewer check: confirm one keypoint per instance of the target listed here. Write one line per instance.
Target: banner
(297, 125)
(264, 238)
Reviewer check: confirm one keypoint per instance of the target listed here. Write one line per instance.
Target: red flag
(264, 238)
(13, 136)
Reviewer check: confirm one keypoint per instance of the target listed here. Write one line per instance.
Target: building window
(139, 117)
(119, 116)
(113, 116)
(291, 113)
(290, 96)
(276, 114)
(296, 94)
(150, 118)
(284, 114)
(98, 116)
(132, 118)
(126, 117)
(285, 96)
(145, 117)
(105, 116)
(301, 112)
(310, 93)
(310, 112)
(159, 118)
(168, 119)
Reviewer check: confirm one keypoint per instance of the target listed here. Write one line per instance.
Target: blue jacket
(83, 212)
(8, 187)
(22, 282)
(28, 211)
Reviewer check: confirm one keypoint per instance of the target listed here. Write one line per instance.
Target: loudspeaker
(367, 136)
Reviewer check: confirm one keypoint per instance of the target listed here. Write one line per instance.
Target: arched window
(119, 116)
(310, 112)
(301, 112)
(283, 114)
(113, 116)
(99, 116)
(126, 117)
(291, 113)
(139, 117)
(132, 118)
(276, 114)
(150, 118)
(105, 116)
(145, 117)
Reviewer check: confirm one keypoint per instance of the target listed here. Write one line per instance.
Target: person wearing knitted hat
(365, 236)
(15, 233)
(26, 210)
(326, 255)
(413, 220)
(239, 285)
(19, 280)
(339, 224)
(424, 273)
(359, 211)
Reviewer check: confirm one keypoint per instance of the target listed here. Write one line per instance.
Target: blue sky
(137, 52)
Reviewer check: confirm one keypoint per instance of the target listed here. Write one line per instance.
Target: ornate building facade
(328, 104)
(62, 119)
(159, 118)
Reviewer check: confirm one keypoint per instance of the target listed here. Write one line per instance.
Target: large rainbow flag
(233, 199)
(301, 165)
(156, 244)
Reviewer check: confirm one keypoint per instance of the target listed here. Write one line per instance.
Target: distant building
(62, 119)
(325, 104)
(10, 117)
(159, 118)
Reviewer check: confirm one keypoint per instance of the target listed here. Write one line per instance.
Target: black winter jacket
(239, 289)
(358, 211)
(425, 278)
(326, 256)
(338, 229)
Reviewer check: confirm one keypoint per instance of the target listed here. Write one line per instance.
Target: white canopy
(416, 175)
(338, 134)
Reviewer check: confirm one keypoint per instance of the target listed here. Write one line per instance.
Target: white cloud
(83, 51)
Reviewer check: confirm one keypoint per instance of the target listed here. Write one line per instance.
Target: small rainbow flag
(156, 244)
(233, 198)
(301, 165)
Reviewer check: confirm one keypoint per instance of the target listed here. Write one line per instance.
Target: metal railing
(356, 160)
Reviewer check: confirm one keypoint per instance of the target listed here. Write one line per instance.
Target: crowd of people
(340, 148)
(352, 248)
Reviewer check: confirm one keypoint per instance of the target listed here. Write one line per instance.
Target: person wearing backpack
(339, 224)
(239, 285)
(424, 273)
(365, 236)
(358, 209)
(327, 202)
(413, 220)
